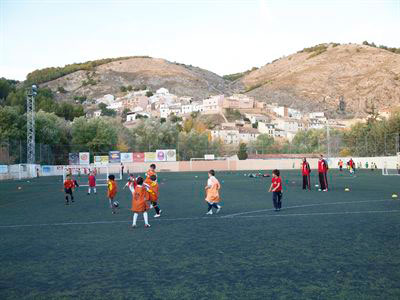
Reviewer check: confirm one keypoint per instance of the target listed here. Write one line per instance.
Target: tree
(12, 124)
(149, 94)
(263, 144)
(242, 154)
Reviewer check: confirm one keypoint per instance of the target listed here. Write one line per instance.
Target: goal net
(391, 167)
(81, 174)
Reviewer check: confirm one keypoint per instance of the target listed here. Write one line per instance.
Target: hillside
(315, 78)
(154, 73)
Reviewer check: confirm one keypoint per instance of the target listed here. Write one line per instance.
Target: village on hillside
(255, 117)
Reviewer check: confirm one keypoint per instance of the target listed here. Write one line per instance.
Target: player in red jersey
(69, 185)
(305, 171)
(92, 183)
(276, 189)
(322, 171)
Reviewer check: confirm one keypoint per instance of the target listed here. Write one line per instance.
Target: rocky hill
(341, 80)
(180, 79)
(317, 78)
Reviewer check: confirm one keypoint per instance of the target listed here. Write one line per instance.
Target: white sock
(110, 203)
(94, 189)
(134, 219)
(146, 218)
(88, 191)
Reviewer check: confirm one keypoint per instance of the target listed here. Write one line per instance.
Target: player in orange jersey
(154, 192)
(69, 185)
(112, 192)
(140, 199)
(151, 171)
(212, 193)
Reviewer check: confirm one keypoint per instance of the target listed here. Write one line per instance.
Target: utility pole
(30, 124)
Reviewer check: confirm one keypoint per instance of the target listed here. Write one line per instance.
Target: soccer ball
(19, 187)
(394, 196)
(316, 185)
(116, 203)
(347, 190)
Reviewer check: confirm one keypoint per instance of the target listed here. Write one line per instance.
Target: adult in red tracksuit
(322, 170)
(305, 171)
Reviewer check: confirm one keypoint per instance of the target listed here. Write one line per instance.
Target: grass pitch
(334, 245)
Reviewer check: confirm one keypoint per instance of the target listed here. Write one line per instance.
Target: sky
(223, 36)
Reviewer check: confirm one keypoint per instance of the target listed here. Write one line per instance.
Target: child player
(92, 183)
(212, 193)
(131, 184)
(140, 198)
(151, 171)
(68, 188)
(112, 192)
(154, 195)
(276, 189)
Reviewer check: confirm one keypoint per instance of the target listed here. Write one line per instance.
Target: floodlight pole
(30, 124)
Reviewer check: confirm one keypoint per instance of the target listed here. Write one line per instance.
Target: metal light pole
(30, 124)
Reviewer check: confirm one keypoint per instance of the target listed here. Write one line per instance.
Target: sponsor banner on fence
(3, 169)
(161, 155)
(150, 156)
(126, 157)
(209, 156)
(171, 154)
(114, 157)
(138, 156)
(46, 170)
(101, 160)
(73, 158)
(84, 158)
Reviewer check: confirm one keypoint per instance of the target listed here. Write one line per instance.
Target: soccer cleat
(319, 190)
(147, 226)
(157, 216)
(325, 190)
(209, 212)
(133, 226)
(219, 208)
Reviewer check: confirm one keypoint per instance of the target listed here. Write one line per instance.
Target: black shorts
(68, 191)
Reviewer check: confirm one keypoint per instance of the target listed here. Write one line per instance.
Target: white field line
(219, 218)
(305, 205)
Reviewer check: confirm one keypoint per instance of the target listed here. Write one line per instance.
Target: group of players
(145, 191)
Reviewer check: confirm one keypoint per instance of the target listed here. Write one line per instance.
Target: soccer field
(343, 245)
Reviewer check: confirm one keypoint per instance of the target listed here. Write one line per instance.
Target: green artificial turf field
(334, 245)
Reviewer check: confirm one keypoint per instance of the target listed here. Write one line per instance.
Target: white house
(254, 118)
(213, 104)
(290, 125)
(116, 105)
(228, 135)
(97, 113)
(187, 109)
(134, 115)
(316, 115)
(198, 106)
(164, 111)
(247, 135)
(294, 113)
(316, 123)
(266, 128)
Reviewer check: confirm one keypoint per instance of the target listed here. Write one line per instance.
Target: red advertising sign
(138, 157)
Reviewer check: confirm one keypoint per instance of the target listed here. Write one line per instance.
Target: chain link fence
(15, 151)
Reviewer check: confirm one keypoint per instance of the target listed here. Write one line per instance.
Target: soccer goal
(81, 174)
(392, 167)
